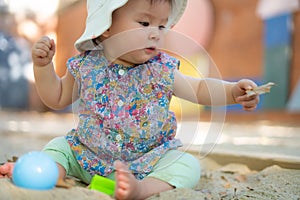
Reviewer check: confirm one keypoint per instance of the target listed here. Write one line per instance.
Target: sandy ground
(256, 158)
(236, 181)
(229, 182)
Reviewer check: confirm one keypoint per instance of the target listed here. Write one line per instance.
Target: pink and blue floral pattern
(123, 113)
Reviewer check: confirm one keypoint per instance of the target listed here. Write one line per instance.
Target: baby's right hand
(43, 51)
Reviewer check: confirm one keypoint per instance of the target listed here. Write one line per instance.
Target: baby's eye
(144, 23)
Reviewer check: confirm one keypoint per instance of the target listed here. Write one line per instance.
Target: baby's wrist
(38, 65)
(233, 96)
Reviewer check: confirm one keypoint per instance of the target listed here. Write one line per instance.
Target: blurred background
(256, 39)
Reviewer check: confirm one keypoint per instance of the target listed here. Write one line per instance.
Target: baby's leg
(174, 169)
(61, 172)
(128, 187)
(60, 151)
(51, 149)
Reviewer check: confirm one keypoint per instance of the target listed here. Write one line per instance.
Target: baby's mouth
(151, 48)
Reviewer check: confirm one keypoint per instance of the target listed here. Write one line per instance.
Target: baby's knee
(179, 169)
(192, 170)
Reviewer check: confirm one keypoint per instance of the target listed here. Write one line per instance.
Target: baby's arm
(54, 91)
(209, 91)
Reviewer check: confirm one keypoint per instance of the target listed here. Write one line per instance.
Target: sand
(231, 171)
(236, 181)
(231, 181)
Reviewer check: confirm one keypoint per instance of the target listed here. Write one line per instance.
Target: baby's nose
(154, 33)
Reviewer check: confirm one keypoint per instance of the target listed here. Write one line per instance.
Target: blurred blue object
(14, 86)
(277, 59)
(277, 65)
(278, 30)
(35, 170)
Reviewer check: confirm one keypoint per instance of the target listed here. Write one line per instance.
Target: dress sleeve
(74, 64)
(171, 61)
(170, 64)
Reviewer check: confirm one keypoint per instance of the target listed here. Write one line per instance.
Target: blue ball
(35, 170)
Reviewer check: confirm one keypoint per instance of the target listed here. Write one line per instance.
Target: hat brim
(100, 20)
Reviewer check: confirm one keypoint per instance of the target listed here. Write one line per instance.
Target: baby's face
(136, 30)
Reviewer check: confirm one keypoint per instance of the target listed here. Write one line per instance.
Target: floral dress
(123, 113)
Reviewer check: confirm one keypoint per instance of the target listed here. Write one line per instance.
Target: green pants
(179, 169)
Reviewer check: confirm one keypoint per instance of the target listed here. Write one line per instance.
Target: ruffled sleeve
(165, 70)
(73, 66)
(170, 60)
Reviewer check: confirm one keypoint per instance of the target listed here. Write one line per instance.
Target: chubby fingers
(249, 103)
(43, 51)
(42, 47)
(246, 84)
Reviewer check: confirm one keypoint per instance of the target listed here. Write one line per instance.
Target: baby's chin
(136, 58)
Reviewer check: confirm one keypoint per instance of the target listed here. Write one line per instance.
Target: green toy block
(103, 184)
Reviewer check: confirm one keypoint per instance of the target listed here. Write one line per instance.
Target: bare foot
(127, 187)
(6, 170)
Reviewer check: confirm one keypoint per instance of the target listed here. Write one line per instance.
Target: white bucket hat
(99, 19)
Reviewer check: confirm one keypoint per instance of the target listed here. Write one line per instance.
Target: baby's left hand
(240, 96)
